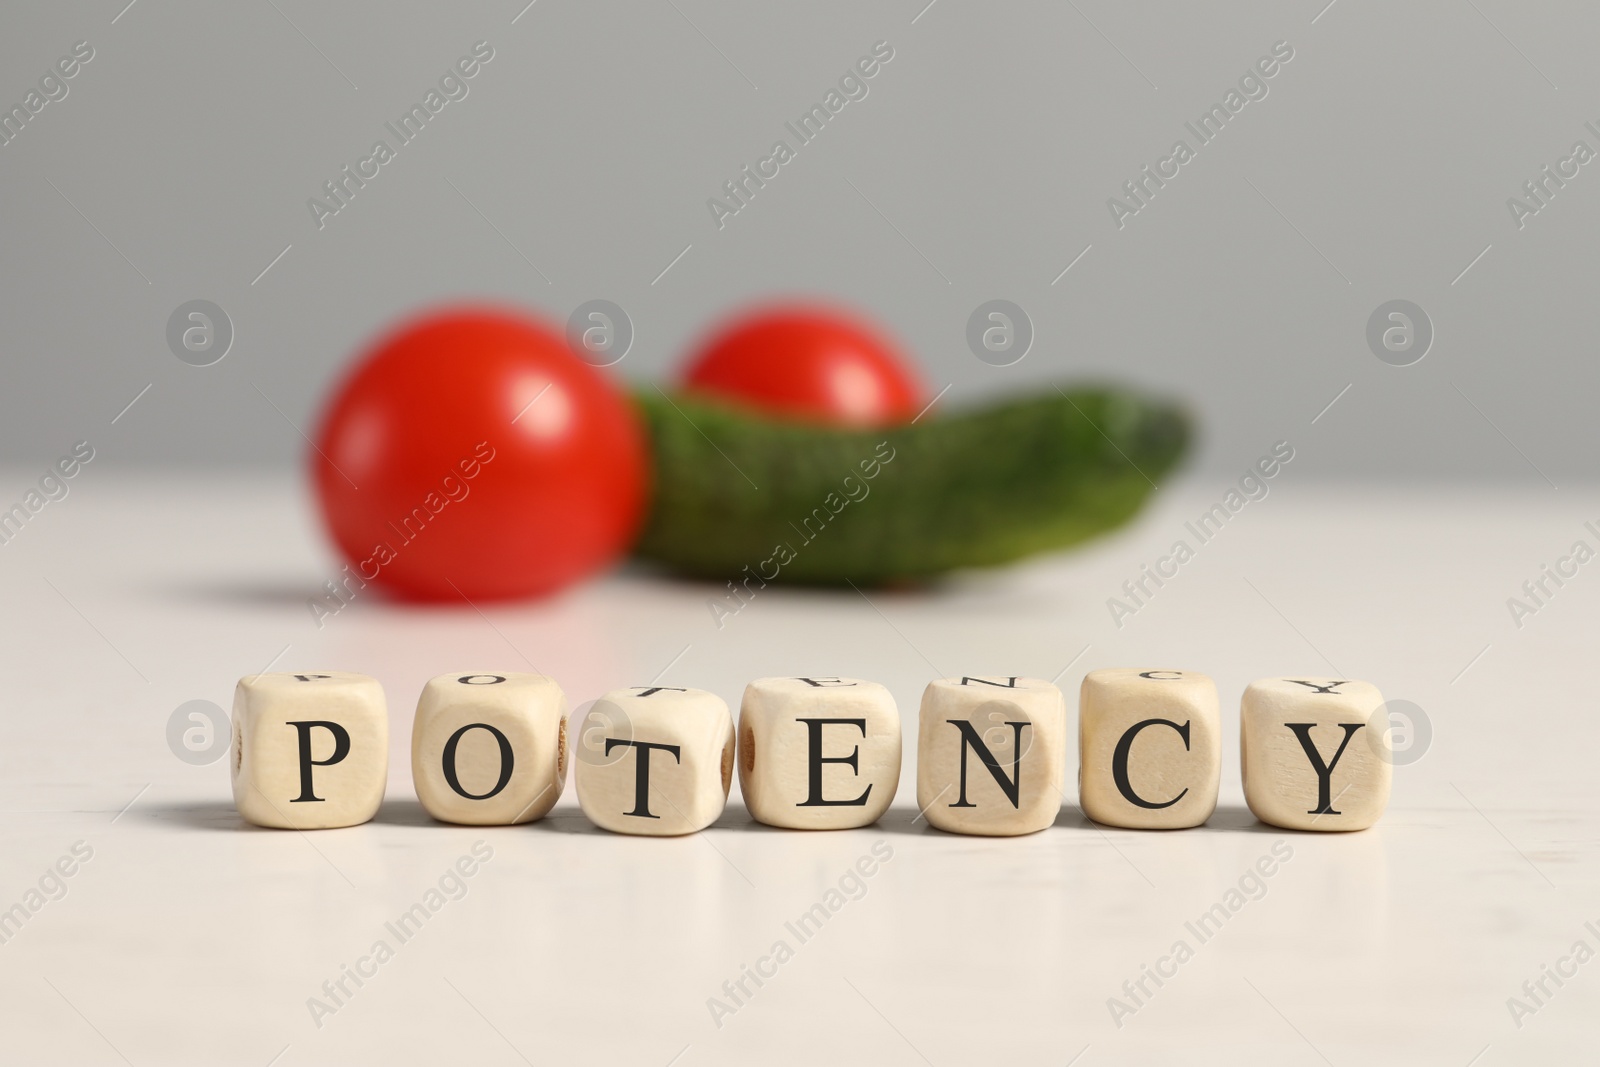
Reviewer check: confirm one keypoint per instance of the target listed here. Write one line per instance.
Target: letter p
(341, 749)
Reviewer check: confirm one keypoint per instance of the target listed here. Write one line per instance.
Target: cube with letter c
(1149, 748)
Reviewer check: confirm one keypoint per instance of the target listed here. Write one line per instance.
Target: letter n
(970, 739)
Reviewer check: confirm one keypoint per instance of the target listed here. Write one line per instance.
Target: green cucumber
(738, 493)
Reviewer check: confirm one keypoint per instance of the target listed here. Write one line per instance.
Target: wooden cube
(489, 749)
(991, 754)
(1149, 748)
(1311, 757)
(818, 753)
(655, 760)
(310, 751)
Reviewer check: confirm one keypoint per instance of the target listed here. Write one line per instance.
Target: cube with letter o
(489, 748)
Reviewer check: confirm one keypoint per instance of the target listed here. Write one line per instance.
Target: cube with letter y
(991, 753)
(818, 753)
(1311, 757)
(654, 760)
(311, 750)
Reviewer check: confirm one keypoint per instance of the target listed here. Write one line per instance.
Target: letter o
(507, 759)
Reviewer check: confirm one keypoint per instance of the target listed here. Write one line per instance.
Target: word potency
(490, 748)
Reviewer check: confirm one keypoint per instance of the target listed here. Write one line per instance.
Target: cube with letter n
(991, 754)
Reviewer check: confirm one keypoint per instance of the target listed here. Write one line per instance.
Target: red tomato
(470, 453)
(811, 363)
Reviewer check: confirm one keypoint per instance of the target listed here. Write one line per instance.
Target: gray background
(978, 167)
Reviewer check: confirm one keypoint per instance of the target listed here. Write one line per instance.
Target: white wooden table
(187, 937)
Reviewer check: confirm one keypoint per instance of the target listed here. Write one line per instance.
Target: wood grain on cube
(654, 760)
(1314, 756)
(1149, 748)
(991, 754)
(818, 753)
(311, 750)
(489, 748)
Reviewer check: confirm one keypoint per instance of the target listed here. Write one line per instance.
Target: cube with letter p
(311, 750)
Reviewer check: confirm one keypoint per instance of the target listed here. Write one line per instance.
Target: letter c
(1119, 761)
(765, 973)
(364, 973)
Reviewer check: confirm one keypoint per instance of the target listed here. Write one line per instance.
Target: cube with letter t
(818, 753)
(991, 754)
(311, 750)
(1314, 753)
(654, 760)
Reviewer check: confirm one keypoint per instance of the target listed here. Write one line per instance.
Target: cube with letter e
(818, 753)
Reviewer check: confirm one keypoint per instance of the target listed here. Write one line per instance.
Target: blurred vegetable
(470, 453)
(809, 363)
(743, 498)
